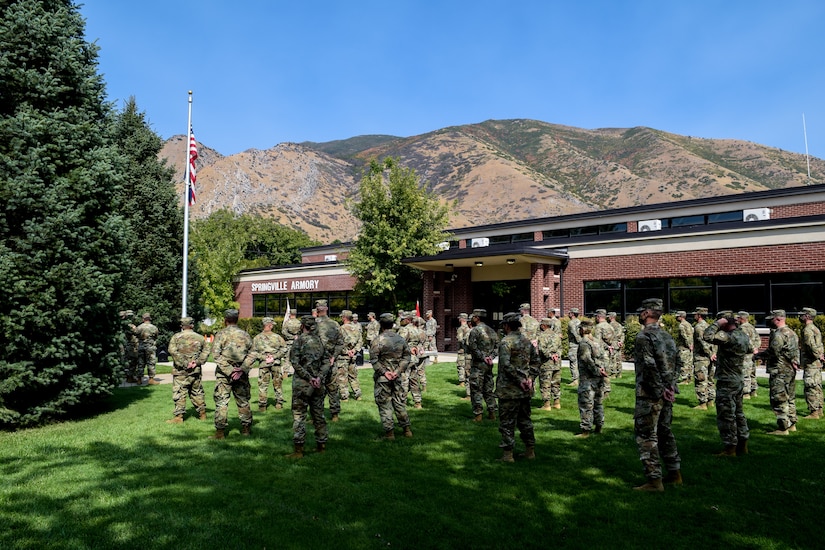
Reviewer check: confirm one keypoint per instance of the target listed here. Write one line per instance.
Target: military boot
(219, 434)
(335, 418)
(298, 452)
(321, 447)
(407, 432)
(574, 383)
(279, 406)
(792, 428)
(711, 403)
(530, 453)
(246, 430)
(202, 415)
(478, 418)
(418, 406)
(507, 456)
(175, 420)
(547, 406)
(742, 447)
(261, 408)
(388, 436)
(778, 432)
(152, 382)
(556, 404)
(729, 450)
(491, 415)
(701, 407)
(598, 429)
(673, 477)
(583, 435)
(652, 486)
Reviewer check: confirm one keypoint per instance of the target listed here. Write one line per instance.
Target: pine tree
(61, 243)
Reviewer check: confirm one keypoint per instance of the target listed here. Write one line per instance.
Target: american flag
(193, 176)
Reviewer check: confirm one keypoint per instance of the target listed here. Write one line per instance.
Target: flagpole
(186, 192)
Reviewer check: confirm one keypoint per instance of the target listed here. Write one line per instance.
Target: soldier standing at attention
(573, 337)
(811, 355)
(147, 334)
(188, 351)
(431, 330)
(783, 362)
(704, 354)
(269, 350)
(618, 344)
(529, 325)
(555, 324)
(517, 367)
(347, 371)
(390, 357)
(330, 334)
(482, 344)
(656, 388)
(373, 328)
(684, 344)
(603, 333)
(593, 362)
(749, 367)
(130, 347)
(309, 359)
(732, 345)
(549, 349)
(230, 350)
(290, 330)
(461, 334)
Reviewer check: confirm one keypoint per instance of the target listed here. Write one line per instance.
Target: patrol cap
(587, 323)
(524, 306)
(681, 313)
(545, 321)
(147, 315)
(481, 313)
(428, 312)
(308, 321)
(346, 313)
(354, 316)
(778, 313)
(387, 317)
(512, 317)
(611, 314)
(574, 310)
(724, 313)
(700, 311)
(653, 304)
(732, 319)
(809, 311)
(129, 313)
(371, 314)
(462, 315)
(187, 322)
(230, 313)
(743, 314)
(267, 321)
(769, 317)
(601, 312)
(321, 304)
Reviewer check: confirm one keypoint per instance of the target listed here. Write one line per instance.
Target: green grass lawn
(124, 478)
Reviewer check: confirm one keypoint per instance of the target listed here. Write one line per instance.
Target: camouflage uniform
(330, 334)
(549, 346)
(345, 364)
(592, 356)
(749, 366)
(482, 342)
(130, 347)
(603, 333)
(811, 351)
(517, 361)
(187, 347)
(373, 328)
(732, 348)
(461, 334)
(230, 350)
(411, 378)
(269, 349)
(390, 352)
(529, 324)
(783, 359)
(290, 330)
(555, 325)
(655, 356)
(147, 334)
(431, 331)
(573, 338)
(618, 344)
(684, 343)
(703, 354)
(310, 360)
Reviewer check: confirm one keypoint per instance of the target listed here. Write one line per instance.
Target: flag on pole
(193, 155)
(286, 316)
(417, 309)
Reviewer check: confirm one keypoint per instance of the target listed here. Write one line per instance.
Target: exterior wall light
(511, 261)
(479, 264)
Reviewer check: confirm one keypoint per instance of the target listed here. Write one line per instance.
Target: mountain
(495, 171)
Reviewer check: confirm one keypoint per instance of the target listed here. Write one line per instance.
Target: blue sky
(265, 72)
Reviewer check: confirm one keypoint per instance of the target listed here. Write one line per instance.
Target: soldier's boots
(279, 406)
(388, 436)
(530, 453)
(219, 434)
(478, 418)
(461, 384)
(598, 429)
(335, 418)
(778, 432)
(742, 447)
(491, 415)
(729, 450)
(547, 406)
(583, 435)
(418, 406)
(246, 430)
(753, 395)
(556, 404)
(746, 396)
(321, 447)
(814, 415)
(701, 407)
(574, 383)
(152, 382)
(202, 415)
(175, 420)
(407, 432)
(465, 398)
(792, 428)
(507, 456)
(652, 486)
(298, 452)
(710, 403)
(673, 477)
(261, 408)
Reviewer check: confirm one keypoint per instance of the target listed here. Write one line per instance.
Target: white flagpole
(186, 212)
(807, 158)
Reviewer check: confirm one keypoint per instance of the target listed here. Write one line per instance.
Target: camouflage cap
(481, 313)
(611, 314)
(653, 304)
(809, 311)
(601, 312)
(308, 321)
(769, 317)
(354, 316)
(524, 306)
(778, 313)
(743, 314)
(726, 313)
(230, 313)
(700, 311)
(587, 323)
(545, 321)
(371, 314)
(574, 310)
(346, 313)
(428, 312)
(511, 317)
(387, 317)
(681, 313)
(267, 321)
(462, 316)
(187, 322)
(321, 304)
(147, 315)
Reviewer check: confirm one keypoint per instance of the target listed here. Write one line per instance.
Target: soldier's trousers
(188, 384)
(267, 375)
(654, 438)
(812, 378)
(481, 388)
(550, 380)
(352, 378)
(146, 360)
(591, 409)
(748, 374)
(782, 381)
(333, 390)
(702, 380)
(573, 357)
(730, 416)
(315, 403)
(617, 366)
(459, 367)
(414, 381)
(512, 414)
(685, 360)
(390, 399)
(241, 390)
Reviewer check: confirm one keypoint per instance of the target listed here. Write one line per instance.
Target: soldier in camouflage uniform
(390, 357)
(811, 356)
(373, 328)
(290, 330)
(188, 351)
(529, 325)
(231, 352)
(416, 339)
(518, 366)
(269, 350)
(603, 333)
(684, 343)
(130, 347)
(330, 334)
(431, 330)
(704, 354)
(147, 334)
(593, 362)
(311, 364)
(461, 334)
(573, 337)
(345, 364)
(783, 362)
(482, 345)
(749, 367)
(732, 345)
(618, 344)
(656, 388)
(549, 350)
(555, 323)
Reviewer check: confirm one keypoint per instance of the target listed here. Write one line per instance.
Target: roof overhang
(508, 254)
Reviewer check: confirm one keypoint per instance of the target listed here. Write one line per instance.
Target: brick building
(753, 251)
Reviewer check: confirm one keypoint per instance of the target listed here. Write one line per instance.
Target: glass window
(454, 244)
(580, 231)
(523, 237)
(500, 239)
(555, 233)
(792, 297)
(722, 217)
(750, 297)
(603, 285)
(613, 228)
(259, 305)
(687, 221)
(303, 303)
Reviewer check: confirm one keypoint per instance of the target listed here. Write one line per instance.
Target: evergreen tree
(399, 219)
(153, 217)
(61, 242)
